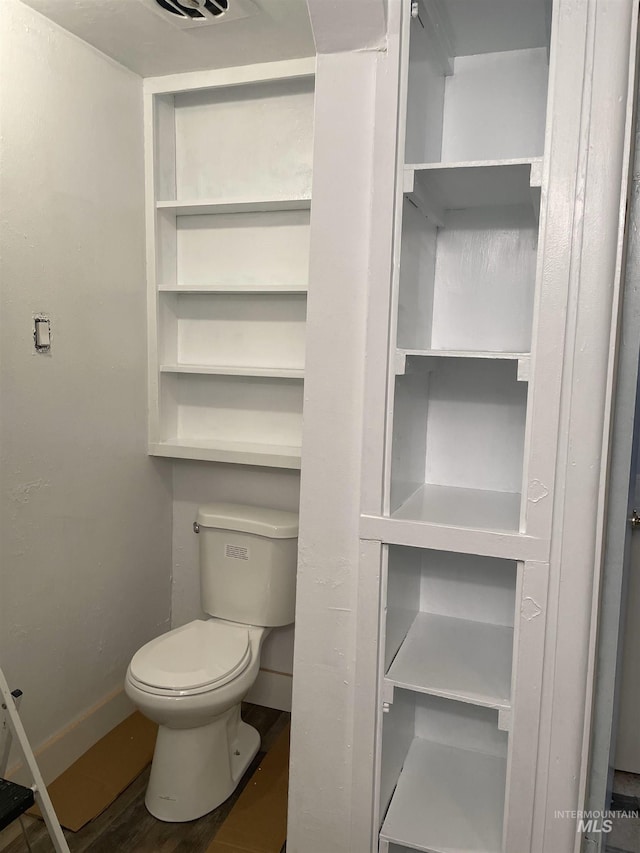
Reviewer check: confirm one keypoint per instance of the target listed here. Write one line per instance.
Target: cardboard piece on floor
(257, 823)
(94, 781)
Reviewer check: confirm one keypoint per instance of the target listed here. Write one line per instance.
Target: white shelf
(523, 358)
(231, 288)
(452, 506)
(461, 353)
(437, 187)
(244, 453)
(211, 206)
(447, 800)
(233, 370)
(507, 545)
(457, 659)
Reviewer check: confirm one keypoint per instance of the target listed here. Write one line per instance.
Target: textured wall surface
(85, 514)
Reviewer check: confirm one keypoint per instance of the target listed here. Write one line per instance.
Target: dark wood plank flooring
(127, 827)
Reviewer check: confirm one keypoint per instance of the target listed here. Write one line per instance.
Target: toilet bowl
(191, 681)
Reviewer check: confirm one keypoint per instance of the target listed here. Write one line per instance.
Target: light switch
(42, 334)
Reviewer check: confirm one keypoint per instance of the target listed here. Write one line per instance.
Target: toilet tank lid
(272, 523)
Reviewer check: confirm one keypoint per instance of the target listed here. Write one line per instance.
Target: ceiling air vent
(200, 13)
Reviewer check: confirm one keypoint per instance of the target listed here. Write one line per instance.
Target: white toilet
(192, 679)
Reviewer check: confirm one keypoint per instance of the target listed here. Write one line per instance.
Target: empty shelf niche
(478, 76)
(234, 251)
(233, 144)
(259, 333)
(442, 775)
(449, 625)
(467, 273)
(218, 415)
(458, 443)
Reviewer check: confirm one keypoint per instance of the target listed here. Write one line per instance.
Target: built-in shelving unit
(471, 140)
(229, 196)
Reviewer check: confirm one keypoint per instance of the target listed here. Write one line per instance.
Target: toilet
(192, 679)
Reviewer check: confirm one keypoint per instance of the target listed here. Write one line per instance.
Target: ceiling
(133, 34)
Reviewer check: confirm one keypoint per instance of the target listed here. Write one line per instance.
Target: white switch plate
(42, 333)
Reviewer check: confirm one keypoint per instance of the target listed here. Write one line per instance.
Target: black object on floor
(625, 803)
(14, 801)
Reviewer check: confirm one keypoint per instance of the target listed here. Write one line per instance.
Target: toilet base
(194, 770)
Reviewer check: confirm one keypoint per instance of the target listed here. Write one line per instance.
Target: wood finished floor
(625, 833)
(127, 827)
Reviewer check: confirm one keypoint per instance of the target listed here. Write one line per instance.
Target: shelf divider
(245, 453)
(199, 207)
(233, 370)
(442, 537)
(438, 187)
(447, 800)
(456, 659)
(523, 358)
(453, 506)
(234, 288)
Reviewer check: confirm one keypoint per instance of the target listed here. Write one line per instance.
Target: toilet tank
(248, 561)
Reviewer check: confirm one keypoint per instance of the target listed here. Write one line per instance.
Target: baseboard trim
(59, 751)
(272, 690)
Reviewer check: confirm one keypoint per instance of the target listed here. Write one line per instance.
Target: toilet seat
(195, 658)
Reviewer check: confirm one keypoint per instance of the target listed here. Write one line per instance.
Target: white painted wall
(340, 26)
(85, 515)
(196, 483)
